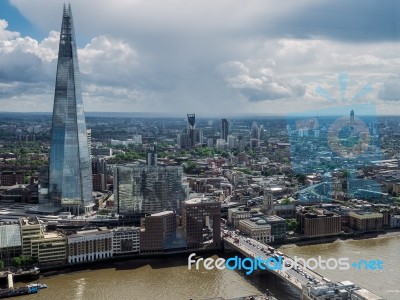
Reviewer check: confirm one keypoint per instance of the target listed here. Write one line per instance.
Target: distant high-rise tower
(152, 155)
(191, 130)
(70, 174)
(224, 129)
(254, 131)
(352, 117)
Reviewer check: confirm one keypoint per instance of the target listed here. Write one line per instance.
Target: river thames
(170, 278)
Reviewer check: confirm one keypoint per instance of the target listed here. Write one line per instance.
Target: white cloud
(4, 33)
(257, 80)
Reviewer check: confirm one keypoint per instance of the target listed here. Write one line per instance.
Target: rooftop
(365, 215)
(270, 219)
(10, 236)
(162, 213)
(52, 235)
(29, 221)
(96, 231)
(259, 224)
(200, 200)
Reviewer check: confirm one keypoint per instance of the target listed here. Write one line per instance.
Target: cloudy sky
(204, 56)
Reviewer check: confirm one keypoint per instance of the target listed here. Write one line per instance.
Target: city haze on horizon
(265, 57)
(203, 116)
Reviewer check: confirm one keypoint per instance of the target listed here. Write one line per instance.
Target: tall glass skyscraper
(70, 174)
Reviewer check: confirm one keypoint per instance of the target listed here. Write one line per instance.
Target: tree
(16, 261)
(302, 178)
(286, 201)
(292, 225)
(225, 154)
(23, 151)
(1, 264)
(189, 167)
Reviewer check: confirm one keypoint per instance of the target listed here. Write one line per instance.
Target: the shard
(70, 175)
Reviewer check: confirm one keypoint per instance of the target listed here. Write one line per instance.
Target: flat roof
(365, 215)
(254, 225)
(200, 200)
(89, 232)
(10, 236)
(41, 209)
(162, 213)
(52, 235)
(273, 218)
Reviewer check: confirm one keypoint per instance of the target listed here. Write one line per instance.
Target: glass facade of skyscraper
(70, 180)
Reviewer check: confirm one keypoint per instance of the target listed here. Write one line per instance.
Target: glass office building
(143, 189)
(70, 178)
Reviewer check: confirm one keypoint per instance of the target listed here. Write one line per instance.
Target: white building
(221, 144)
(126, 240)
(232, 142)
(257, 229)
(237, 214)
(135, 140)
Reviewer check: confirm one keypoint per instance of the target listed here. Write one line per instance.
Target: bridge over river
(311, 285)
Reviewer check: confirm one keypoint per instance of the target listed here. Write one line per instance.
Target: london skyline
(264, 57)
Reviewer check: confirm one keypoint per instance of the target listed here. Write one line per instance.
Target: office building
(99, 171)
(366, 221)
(201, 223)
(241, 143)
(191, 129)
(191, 135)
(126, 240)
(10, 241)
(237, 214)
(11, 178)
(158, 233)
(31, 229)
(255, 131)
(70, 177)
(89, 245)
(50, 249)
(220, 144)
(278, 227)
(47, 247)
(352, 117)
(232, 142)
(224, 129)
(142, 189)
(257, 229)
(152, 155)
(318, 222)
